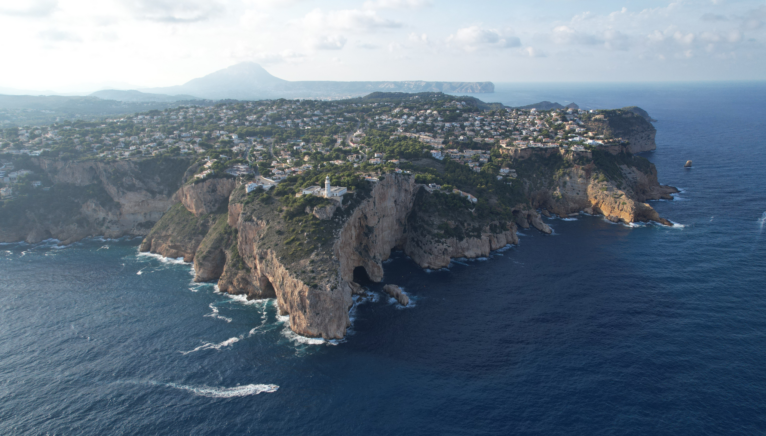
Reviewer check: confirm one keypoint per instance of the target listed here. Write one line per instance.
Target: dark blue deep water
(597, 329)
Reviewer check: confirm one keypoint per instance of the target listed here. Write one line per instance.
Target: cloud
(713, 17)
(616, 40)
(367, 46)
(474, 38)
(353, 20)
(285, 56)
(330, 42)
(54, 35)
(174, 11)
(397, 4)
(274, 3)
(532, 52)
(33, 8)
(567, 35)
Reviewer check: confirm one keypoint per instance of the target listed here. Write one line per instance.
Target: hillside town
(272, 140)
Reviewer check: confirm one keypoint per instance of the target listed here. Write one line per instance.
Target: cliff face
(307, 259)
(207, 196)
(316, 291)
(623, 201)
(196, 228)
(112, 199)
(627, 125)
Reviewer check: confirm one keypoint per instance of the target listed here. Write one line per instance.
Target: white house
(261, 182)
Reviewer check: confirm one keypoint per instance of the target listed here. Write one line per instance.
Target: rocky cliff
(620, 198)
(206, 196)
(91, 198)
(626, 124)
(315, 286)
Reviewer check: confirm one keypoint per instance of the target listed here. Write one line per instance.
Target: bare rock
(206, 196)
(325, 212)
(688, 164)
(538, 223)
(396, 292)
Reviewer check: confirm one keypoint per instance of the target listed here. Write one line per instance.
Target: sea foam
(216, 315)
(210, 346)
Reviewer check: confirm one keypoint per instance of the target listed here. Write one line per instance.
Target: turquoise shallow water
(598, 329)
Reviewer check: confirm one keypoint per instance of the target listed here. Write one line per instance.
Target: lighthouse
(327, 187)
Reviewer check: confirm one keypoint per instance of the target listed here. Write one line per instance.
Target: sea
(597, 329)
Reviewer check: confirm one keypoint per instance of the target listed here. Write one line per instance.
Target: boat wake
(211, 346)
(212, 392)
(239, 391)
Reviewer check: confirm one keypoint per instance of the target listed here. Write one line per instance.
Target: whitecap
(296, 338)
(216, 315)
(761, 220)
(163, 259)
(211, 346)
(568, 219)
(482, 259)
(239, 298)
(682, 226)
(238, 391)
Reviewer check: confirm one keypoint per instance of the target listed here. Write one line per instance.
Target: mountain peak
(250, 72)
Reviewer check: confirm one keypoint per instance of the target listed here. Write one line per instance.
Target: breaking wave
(163, 259)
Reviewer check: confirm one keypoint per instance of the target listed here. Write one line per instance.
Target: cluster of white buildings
(328, 191)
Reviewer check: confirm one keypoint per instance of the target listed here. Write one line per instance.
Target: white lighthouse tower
(327, 187)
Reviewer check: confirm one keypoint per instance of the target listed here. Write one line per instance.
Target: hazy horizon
(78, 46)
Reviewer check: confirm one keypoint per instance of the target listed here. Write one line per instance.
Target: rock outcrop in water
(397, 293)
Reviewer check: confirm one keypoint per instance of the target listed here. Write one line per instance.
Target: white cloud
(567, 35)
(353, 20)
(532, 52)
(397, 4)
(329, 42)
(474, 38)
(33, 8)
(174, 11)
(55, 35)
(288, 56)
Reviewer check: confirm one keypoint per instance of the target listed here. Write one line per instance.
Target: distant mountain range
(250, 81)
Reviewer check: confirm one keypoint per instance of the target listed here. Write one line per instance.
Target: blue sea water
(597, 329)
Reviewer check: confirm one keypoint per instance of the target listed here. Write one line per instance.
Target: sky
(74, 45)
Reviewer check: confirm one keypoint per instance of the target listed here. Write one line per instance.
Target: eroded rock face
(376, 227)
(324, 212)
(207, 196)
(134, 199)
(578, 191)
(429, 252)
(538, 223)
(396, 292)
(318, 311)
